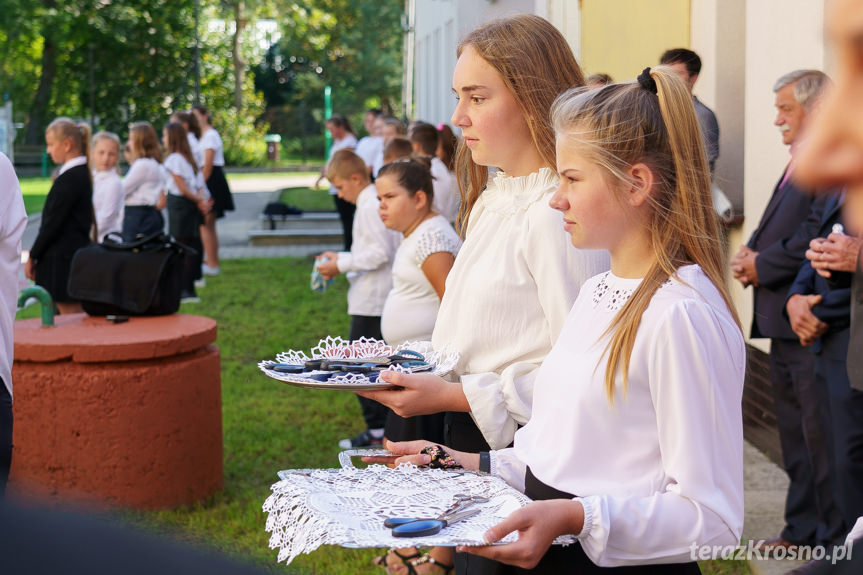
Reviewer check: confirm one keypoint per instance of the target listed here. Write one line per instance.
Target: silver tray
(442, 362)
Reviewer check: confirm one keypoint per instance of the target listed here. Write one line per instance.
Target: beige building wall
(622, 37)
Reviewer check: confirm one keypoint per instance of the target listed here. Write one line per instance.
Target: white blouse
(178, 165)
(662, 468)
(349, 142)
(108, 202)
(211, 140)
(13, 222)
(507, 298)
(368, 266)
(411, 307)
(144, 182)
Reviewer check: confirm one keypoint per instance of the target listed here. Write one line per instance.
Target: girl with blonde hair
(144, 183)
(107, 184)
(515, 278)
(636, 442)
(67, 217)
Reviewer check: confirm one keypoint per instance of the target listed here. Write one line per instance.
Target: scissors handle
(426, 527)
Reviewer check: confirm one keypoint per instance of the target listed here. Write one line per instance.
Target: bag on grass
(135, 278)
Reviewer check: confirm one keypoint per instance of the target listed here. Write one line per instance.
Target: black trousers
(346, 214)
(5, 436)
(811, 514)
(845, 425)
(374, 413)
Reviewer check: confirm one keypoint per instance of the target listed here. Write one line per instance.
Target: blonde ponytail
(651, 121)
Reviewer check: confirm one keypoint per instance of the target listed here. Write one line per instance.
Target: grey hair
(808, 85)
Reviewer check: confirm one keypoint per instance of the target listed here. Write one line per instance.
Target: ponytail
(84, 129)
(650, 121)
(77, 133)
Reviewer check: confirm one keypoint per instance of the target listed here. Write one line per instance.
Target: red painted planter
(126, 414)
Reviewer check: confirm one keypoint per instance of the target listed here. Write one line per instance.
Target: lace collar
(511, 194)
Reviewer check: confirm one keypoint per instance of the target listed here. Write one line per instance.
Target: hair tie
(646, 81)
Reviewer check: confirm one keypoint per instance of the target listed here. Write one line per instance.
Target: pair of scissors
(418, 527)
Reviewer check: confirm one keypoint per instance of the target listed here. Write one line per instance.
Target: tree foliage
(141, 57)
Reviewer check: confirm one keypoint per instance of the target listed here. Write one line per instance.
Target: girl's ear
(421, 200)
(642, 179)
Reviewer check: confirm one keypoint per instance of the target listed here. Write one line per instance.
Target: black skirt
(52, 273)
(221, 193)
(184, 217)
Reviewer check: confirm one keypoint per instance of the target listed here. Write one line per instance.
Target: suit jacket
(67, 215)
(789, 223)
(835, 306)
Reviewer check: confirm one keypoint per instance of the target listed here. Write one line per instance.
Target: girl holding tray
(636, 437)
(515, 277)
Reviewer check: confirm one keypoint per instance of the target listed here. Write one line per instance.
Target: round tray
(442, 362)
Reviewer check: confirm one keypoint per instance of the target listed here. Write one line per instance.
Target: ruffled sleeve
(433, 241)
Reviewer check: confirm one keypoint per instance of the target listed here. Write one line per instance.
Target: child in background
(107, 184)
(368, 267)
(636, 441)
(420, 267)
(390, 128)
(143, 184)
(68, 213)
(424, 138)
(396, 149)
(446, 146)
(217, 184)
(187, 203)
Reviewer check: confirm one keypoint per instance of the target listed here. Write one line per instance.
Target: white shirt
(446, 198)
(108, 202)
(411, 307)
(76, 161)
(507, 298)
(368, 148)
(348, 142)
(662, 468)
(198, 154)
(176, 164)
(211, 140)
(144, 182)
(368, 266)
(13, 221)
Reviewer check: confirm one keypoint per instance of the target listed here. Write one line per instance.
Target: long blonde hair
(536, 65)
(651, 121)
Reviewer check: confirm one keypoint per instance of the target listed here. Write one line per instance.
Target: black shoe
(363, 439)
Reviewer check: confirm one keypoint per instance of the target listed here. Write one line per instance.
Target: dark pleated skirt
(223, 201)
(52, 273)
(184, 217)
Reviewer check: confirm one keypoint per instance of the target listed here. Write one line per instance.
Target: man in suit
(770, 262)
(819, 310)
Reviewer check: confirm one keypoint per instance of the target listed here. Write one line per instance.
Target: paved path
(764, 482)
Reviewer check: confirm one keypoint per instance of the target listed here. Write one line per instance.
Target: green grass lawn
(246, 175)
(308, 199)
(264, 307)
(34, 191)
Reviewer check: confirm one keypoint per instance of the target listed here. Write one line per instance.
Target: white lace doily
(442, 362)
(347, 507)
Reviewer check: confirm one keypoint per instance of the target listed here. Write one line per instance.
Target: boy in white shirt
(368, 267)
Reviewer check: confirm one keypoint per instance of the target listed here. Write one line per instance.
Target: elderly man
(770, 262)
